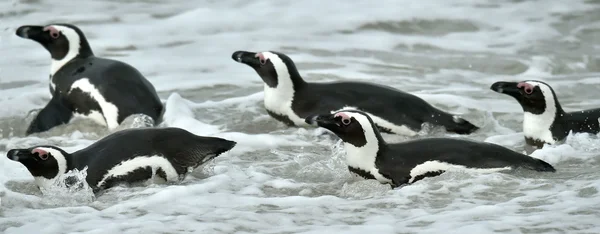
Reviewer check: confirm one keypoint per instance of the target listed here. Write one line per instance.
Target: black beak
(33, 32)
(245, 57)
(327, 121)
(18, 154)
(509, 88)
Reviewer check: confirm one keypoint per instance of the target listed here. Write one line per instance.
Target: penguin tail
(217, 146)
(454, 123)
(540, 165)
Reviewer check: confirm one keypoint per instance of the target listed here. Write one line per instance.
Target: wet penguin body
(127, 156)
(370, 157)
(544, 120)
(83, 85)
(290, 99)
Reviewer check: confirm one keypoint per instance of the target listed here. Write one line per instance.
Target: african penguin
(290, 99)
(544, 120)
(127, 156)
(83, 85)
(370, 157)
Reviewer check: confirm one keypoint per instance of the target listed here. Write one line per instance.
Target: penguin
(544, 120)
(369, 156)
(83, 85)
(290, 99)
(124, 157)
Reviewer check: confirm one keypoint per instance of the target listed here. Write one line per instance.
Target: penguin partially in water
(370, 157)
(127, 156)
(83, 85)
(290, 99)
(544, 120)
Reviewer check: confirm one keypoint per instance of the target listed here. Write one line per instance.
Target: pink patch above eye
(344, 116)
(39, 151)
(528, 88)
(53, 31)
(261, 57)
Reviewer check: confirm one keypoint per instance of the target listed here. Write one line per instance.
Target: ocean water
(291, 180)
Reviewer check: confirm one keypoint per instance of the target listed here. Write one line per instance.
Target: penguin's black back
(180, 147)
(119, 83)
(585, 121)
(397, 160)
(391, 104)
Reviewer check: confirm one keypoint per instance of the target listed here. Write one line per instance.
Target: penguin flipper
(53, 114)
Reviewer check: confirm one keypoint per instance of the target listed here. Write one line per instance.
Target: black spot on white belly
(537, 143)
(281, 118)
(383, 130)
(82, 102)
(427, 174)
(138, 175)
(362, 173)
(161, 173)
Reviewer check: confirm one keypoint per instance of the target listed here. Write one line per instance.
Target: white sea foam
(290, 180)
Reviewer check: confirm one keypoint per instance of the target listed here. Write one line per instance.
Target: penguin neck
(278, 99)
(78, 49)
(364, 157)
(539, 126)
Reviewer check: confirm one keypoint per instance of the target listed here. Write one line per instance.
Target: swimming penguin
(290, 99)
(370, 157)
(544, 120)
(83, 85)
(127, 156)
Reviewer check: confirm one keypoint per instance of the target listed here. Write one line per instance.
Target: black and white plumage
(369, 156)
(544, 120)
(83, 85)
(126, 156)
(290, 99)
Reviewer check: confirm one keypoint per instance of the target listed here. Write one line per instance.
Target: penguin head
(63, 41)
(277, 70)
(43, 162)
(352, 126)
(535, 97)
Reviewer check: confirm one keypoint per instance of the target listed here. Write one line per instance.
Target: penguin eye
(54, 34)
(44, 156)
(346, 121)
(528, 90)
(263, 61)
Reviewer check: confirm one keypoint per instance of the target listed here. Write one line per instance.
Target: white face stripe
(74, 45)
(109, 110)
(397, 129)
(434, 166)
(62, 167)
(155, 162)
(538, 126)
(364, 157)
(279, 99)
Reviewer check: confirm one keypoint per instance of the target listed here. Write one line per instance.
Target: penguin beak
(326, 121)
(245, 57)
(508, 88)
(34, 32)
(19, 155)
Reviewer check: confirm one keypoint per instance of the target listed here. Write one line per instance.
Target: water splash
(68, 189)
(141, 121)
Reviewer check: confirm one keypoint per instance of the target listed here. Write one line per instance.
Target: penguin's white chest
(279, 101)
(538, 127)
(363, 158)
(125, 168)
(110, 113)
